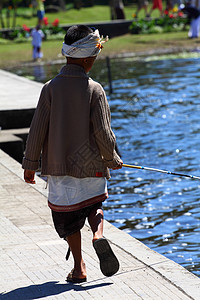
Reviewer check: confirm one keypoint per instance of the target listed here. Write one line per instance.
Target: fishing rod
(161, 171)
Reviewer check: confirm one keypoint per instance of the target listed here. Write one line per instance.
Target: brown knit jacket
(71, 127)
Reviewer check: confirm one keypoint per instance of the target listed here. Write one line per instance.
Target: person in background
(195, 3)
(142, 4)
(37, 37)
(72, 128)
(117, 9)
(40, 11)
(157, 4)
(193, 18)
(169, 5)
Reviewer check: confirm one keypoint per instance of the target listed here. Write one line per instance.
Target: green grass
(84, 15)
(147, 42)
(13, 54)
(73, 16)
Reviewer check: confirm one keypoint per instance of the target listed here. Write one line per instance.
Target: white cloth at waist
(68, 190)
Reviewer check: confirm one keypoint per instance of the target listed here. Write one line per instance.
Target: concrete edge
(168, 269)
(10, 135)
(19, 78)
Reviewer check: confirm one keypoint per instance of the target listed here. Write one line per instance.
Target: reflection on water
(39, 72)
(156, 117)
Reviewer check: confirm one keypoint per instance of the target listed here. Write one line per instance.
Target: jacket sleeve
(104, 136)
(38, 131)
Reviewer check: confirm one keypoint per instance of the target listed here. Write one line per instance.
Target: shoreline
(159, 52)
(127, 45)
(179, 51)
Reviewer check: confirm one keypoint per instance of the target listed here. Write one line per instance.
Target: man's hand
(29, 176)
(119, 166)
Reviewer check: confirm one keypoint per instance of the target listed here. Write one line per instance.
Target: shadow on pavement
(51, 288)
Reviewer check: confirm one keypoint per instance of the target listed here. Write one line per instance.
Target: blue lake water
(155, 108)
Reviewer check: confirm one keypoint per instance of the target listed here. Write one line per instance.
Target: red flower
(26, 28)
(180, 14)
(45, 20)
(55, 22)
(166, 12)
(171, 16)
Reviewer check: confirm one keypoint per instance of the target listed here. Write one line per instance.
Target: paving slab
(32, 256)
(17, 92)
(18, 100)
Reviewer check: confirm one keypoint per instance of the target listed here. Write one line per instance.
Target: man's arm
(105, 138)
(36, 137)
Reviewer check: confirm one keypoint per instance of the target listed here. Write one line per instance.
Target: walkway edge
(168, 269)
(12, 94)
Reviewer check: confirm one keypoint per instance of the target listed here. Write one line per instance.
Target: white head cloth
(89, 46)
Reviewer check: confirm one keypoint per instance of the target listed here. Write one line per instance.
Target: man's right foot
(109, 263)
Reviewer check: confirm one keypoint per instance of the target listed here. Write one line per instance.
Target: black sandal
(71, 278)
(109, 263)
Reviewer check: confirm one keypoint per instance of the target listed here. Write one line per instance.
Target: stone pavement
(32, 256)
(17, 92)
(18, 99)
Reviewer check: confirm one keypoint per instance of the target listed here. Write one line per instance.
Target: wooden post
(109, 74)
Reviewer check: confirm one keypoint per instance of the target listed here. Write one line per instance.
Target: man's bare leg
(109, 264)
(74, 242)
(95, 220)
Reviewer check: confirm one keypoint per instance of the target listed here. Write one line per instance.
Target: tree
(14, 5)
(3, 4)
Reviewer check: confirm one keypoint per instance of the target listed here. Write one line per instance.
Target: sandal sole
(109, 263)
